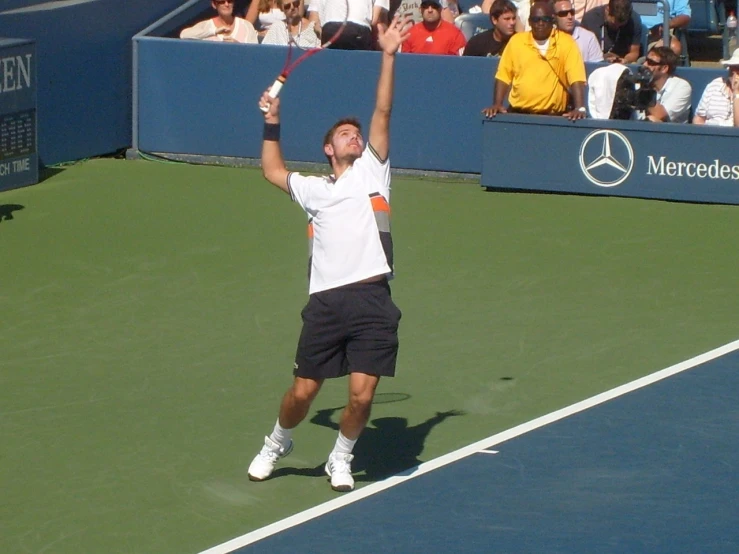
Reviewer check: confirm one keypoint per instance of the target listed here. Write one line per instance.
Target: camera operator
(672, 100)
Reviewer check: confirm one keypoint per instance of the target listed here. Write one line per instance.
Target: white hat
(733, 60)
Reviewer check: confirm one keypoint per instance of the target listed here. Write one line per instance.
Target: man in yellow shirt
(542, 69)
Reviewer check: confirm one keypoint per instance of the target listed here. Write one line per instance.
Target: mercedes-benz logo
(606, 158)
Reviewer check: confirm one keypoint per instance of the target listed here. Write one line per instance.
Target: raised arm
(389, 38)
(252, 12)
(273, 164)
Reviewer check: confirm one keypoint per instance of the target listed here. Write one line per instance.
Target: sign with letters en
(18, 144)
(616, 158)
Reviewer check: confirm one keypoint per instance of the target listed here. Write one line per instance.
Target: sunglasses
(221, 2)
(541, 19)
(295, 4)
(425, 5)
(652, 62)
(565, 13)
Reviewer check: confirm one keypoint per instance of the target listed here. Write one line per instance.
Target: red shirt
(445, 39)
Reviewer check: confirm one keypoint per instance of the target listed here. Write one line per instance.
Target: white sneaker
(339, 468)
(264, 464)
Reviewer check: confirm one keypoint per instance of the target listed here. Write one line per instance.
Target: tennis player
(350, 323)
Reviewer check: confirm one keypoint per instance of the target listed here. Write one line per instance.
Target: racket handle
(274, 91)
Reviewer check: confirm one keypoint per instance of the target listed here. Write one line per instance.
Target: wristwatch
(582, 109)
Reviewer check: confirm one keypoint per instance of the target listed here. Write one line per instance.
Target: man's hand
(272, 115)
(610, 57)
(224, 30)
(390, 37)
(572, 115)
(493, 110)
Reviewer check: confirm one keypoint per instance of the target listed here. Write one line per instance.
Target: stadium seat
(704, 18)
(473, 23)
(649, 7)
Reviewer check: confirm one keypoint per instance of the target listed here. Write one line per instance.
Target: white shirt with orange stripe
(349, 222)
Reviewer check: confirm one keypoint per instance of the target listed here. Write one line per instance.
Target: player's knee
(305, 391)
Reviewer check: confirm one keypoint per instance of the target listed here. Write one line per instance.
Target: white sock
(280, 435)
(343, 445)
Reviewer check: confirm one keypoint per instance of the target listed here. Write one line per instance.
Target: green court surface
(150, 313)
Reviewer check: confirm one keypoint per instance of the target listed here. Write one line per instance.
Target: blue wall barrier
(84, 69)
(18, 78)
(186, 88)
(615, 158)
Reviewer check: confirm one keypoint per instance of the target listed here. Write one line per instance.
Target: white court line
(482, 445)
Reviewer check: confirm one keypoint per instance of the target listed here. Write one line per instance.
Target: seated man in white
(673, 93)
(224, 27)
(586, 41)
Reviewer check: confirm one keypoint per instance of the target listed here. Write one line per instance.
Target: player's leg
(372, 353)
(320, 355)
(354, 418)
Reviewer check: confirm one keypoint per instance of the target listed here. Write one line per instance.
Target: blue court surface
(649, 467)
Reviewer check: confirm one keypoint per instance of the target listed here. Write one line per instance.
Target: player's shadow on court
(6, 211)
(388, 446)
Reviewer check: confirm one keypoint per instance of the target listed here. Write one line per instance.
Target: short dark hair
(620, 10)
(329, 136)
(666, 57)
(499, 7)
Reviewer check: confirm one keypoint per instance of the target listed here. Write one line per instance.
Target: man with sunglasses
(618, 29)
(673, 93)
(491, 43)
(542, 69)
(295, 29)
(586, 41)
(433, 35)
(224, 27)
(412, 8)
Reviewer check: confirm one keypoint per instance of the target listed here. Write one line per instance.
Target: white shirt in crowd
(242, 31)
(360, 11)
(279, 34)
(717, 104)
(675, 98)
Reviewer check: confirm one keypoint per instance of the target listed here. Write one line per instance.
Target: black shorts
(353, 328)
(353, 37)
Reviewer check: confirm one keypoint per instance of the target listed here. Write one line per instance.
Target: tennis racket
(338, 9)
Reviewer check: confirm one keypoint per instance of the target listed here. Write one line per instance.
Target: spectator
(719, 104)
(584, 6)
(586, 41)
(522, 12)
(433, 35)
(618, 30)
(264, 13)
(413, 9)
(364, 15)
(296, 29)
(492, 42)
(538, 67)
(224, 27)
(673, 93)
(679, 19)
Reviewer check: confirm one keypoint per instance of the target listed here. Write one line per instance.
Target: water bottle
(731, 28)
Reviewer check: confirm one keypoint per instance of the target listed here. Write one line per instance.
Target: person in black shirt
(491, 42)
(618, 29)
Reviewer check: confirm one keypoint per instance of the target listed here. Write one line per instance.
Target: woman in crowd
(719, 103)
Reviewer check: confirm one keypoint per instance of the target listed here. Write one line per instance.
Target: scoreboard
(18, 131)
